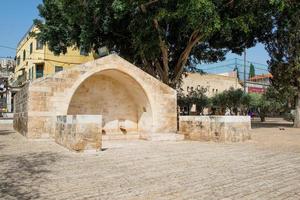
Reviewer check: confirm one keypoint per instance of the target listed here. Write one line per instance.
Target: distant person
(250, 113)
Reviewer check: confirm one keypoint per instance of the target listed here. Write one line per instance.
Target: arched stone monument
(130, 101)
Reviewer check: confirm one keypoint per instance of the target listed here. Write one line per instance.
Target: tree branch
(182, 60)
(164, 51)
(145, 5)
(229, 3)
(159, 70)
(164, 69)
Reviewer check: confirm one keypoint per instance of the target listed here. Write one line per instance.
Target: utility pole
(245, 71)
(235, 62)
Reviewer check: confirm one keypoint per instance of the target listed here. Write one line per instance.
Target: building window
(192, 89)
(18, 60)
(58, 69)
(188, 89)
(24, 55)
(39, 45)
(216, 90)
(30, 48)
(39, 71)
(213, 90)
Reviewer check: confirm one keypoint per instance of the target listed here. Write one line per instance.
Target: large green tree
(160, 36)
(284, 49)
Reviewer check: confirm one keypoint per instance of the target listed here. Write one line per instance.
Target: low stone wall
(31, 115)
(20, 113)
(215, 128)
(79, 132)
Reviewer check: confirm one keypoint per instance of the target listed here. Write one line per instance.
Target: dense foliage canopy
(270, 103)
(283, 46)
(160, 36)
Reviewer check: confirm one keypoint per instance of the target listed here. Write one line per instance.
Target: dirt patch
(276, 134)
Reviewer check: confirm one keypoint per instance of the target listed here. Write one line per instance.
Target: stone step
(120, 137)
(163, 137)
(7, 121)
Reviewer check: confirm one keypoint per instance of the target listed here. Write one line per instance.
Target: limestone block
(79, 132)
(215, 128)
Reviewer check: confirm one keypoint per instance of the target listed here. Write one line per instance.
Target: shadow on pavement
(2, 146)
(6, 132)
(271, 123)
(24, 174)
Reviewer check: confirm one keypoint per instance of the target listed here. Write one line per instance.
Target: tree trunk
(183, 58)
(297, 112)
(164, 66)
(262, 117)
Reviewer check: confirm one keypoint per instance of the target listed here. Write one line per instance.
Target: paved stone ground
(153, 170)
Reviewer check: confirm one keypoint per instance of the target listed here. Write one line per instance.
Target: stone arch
(40, 103)
(117, 96)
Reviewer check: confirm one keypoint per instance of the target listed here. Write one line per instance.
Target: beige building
(213, 83)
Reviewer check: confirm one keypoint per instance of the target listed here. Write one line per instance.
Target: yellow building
(35, 60)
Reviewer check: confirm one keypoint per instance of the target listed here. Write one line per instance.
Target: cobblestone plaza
(266, 167)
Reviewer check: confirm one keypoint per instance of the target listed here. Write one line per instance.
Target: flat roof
(262, 76)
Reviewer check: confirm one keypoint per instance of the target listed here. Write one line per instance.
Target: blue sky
(256, 54)
(17, 16)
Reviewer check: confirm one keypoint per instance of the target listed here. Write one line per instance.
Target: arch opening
(119, 98)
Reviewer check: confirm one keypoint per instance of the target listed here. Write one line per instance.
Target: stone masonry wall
(21, 114)
(50, 96)
(31, 116)
(215, 128)
(99, 93)
(79, 132)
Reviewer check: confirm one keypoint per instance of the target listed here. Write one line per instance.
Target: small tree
(245, 103)
(199, 98)
(252, 71)
(194, 97)
(267, 103)
(234, 99)
(219, 103)
(258, 104)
